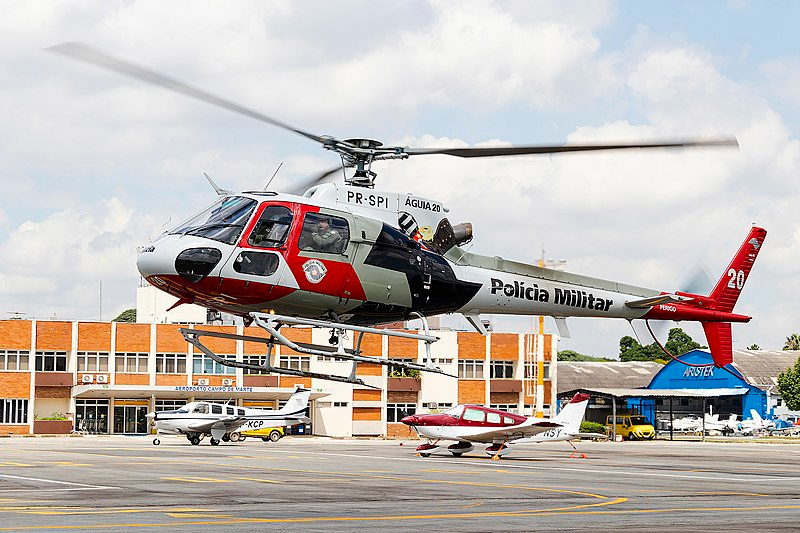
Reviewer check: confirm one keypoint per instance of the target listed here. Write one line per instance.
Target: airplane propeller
(356, 153)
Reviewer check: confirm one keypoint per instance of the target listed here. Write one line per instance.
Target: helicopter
(350, 257)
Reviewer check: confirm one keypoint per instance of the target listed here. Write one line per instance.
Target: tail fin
(571, 415)
(756, 417)
(730, 285)
(296, 404)
(725, 294)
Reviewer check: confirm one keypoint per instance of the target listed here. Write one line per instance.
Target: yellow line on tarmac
(192, 479)
(9, 463)
(260, 480)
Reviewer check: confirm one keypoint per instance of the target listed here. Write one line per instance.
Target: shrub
(592, 427)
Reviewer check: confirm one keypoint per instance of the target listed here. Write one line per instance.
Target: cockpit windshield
(223, 221)
(455, 412)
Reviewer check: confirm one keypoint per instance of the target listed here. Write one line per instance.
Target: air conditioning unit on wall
(227, 382)
(87, 378)
(101, 378)
(202, 382)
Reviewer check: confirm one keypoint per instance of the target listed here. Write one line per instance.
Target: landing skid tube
(272, 323)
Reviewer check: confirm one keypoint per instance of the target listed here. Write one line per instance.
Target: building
(688, 387)
(106, 376)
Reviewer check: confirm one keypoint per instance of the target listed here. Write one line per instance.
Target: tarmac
(111, 483)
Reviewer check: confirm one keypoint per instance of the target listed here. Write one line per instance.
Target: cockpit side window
(216, 409)
(201, 408)
(324, 233)
(272, 227)
(474, 415)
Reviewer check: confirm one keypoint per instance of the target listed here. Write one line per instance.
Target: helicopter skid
(272, 323)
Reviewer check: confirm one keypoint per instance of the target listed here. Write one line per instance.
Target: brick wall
(295, 335)
(401, 348)
(472, 391)
(15, 335)
(367, 413)
(471, 345)
(53, 335)
(369, 369)
(366, 395)
(504, 346)
(401, 397)
(23, 429)
(15, 385)
(399, 431)
(132, 379)
(503, 397)
(94, 337)
(289, 381)
(169, 339)
(172, 380)
(51, 392)
(371, 344)
(217, 345)
(133, 337)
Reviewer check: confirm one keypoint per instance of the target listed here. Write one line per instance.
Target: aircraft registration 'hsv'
(222, 421)
(350, 258)
(466, 424)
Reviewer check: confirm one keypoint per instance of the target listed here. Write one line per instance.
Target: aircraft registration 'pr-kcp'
(223, 422)
(349, 257)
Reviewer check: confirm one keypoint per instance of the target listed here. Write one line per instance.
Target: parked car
(631, 427)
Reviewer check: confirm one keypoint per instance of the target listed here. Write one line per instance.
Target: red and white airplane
(466, 424)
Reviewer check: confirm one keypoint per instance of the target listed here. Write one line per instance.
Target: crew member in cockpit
(325, 237)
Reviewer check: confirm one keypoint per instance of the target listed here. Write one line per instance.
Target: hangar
(677, 389)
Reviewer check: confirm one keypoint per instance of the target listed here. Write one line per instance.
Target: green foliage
(54, 416)
(789, 386)
(754, 347)
(678, 343)
(399, 372)
(792, 342)
(592, 427)
(570, 355)
(129, 315)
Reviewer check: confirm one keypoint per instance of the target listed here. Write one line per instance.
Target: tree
(754, 347)
(789, 386)
(792, 342)
(570, 355)
(129, 315)
(679, 342)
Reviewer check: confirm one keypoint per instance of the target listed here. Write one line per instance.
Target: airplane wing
(225, 425)
(528, 428)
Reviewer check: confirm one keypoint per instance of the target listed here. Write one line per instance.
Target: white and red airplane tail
(571, 415)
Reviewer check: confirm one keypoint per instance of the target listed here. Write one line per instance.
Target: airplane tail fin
(571, 415)
(756, 417)
(297, 404)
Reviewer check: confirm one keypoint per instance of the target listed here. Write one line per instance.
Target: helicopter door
(259, 258)
(325, 254)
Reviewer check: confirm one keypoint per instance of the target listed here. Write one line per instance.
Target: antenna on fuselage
(220, 192)
(273, 176)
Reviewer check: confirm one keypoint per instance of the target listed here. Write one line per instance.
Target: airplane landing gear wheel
(214, 442)
(275, 435)
(424, 454)
(456, 454)
(195, 441)
(234, 436)
(156, 441)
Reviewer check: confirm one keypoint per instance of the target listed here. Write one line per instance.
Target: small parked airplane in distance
(466, 424)
(222, 422)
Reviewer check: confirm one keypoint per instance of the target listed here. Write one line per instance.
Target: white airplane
(755, 424)
(466, 424)
(221, 421)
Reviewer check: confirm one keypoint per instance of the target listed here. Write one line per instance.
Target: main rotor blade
(523, 150)
(87, 54)
(302, 187)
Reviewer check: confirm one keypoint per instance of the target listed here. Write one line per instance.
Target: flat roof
(658, 393)
(185, 392)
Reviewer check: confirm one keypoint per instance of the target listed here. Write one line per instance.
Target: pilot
(325, 237)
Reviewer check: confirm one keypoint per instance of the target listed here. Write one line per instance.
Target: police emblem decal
(314, 270)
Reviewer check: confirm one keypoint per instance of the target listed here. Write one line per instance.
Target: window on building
(92, 361)
(130, 362)
(204, 364)
(545, 370)
(13, 410)
(470, 368)
(91, 416)
(12, 360)
(444, 360)
(340, 404)
(295, 362)
(396, 411)
(51, 361)
(255, 360)
(401, 372)
(779, 402)
(509, 407)
(501, 369)
(171, 363)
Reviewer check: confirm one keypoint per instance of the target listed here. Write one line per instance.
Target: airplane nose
(409, 420)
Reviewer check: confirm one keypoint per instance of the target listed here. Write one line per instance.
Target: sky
(95, 164)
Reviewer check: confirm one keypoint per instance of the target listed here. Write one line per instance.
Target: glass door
(130, 419)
